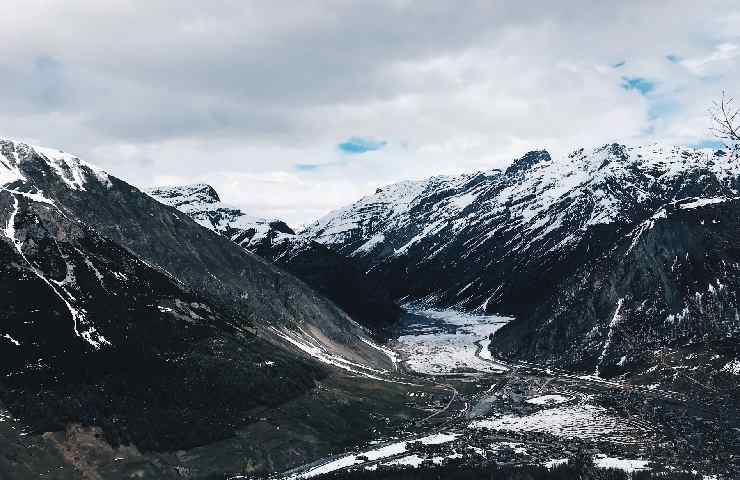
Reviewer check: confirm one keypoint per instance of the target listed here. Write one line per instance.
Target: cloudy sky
(291, 109)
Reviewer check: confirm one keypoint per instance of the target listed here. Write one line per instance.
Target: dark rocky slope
(244, 285)
(92, 334)
(338, 278)
(121, 312)
(673, 283)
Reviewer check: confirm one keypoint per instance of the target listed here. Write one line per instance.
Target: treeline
(198, 394)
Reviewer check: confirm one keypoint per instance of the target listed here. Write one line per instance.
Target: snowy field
(635, 465)
(549, 400)
(386, 451)
(439, 342)
(577, 421)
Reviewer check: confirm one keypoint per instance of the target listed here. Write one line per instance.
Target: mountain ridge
(272, 239)
(121, 312)
(505, 241)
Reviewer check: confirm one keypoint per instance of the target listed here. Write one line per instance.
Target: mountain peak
(15, 157)
(176, 195)
(201, 202)
(528, 161)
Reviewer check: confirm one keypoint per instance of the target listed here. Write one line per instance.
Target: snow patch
(11, 339)
(732, 367)
(555, 462)
(702, 202)
(549, 400)
(368, 246)
(375, 454)
(584, 421)
(312, 347)
(603, 461)
(610, 335)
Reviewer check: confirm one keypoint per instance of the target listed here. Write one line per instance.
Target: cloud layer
(266, 99)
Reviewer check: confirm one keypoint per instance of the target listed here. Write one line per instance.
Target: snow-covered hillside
(538, 206)
(202, 203)
(74, 172)
(536, 195)
(518, 241)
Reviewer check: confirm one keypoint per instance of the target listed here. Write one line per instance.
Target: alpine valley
(567, 317)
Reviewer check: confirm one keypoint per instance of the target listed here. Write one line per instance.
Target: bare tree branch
(724, 115)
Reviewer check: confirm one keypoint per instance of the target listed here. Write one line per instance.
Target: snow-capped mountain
(335, 276)
(518, 241)
(273, 238)
(121, 312)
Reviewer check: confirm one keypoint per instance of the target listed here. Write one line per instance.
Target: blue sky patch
(307, 167)
(642, 85)
(673, 58)
(661, 108)
(709, 143)
(357, 145)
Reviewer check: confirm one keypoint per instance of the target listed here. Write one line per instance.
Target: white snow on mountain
(75, 174)
(73, 171)
(548, 400)
(552, 193)
(388, 205)
(540, 206)
(201, 202)
(701, 202)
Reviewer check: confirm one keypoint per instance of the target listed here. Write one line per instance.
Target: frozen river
(444, 342)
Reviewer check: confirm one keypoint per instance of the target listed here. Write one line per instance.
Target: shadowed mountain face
(339, 278)
(550, 236)
(121, 312)
(672, 284)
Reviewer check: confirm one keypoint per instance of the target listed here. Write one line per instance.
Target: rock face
(552, 236)
(121, 312)
(339, 278)
(673, 283)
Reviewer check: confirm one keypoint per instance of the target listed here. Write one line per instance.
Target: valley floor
(447, 403)
(524, 414)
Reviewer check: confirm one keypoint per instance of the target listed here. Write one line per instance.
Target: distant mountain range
(332, 274)
(602, 255)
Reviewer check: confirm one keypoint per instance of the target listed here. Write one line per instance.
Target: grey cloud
(280, 83)
(162, 71)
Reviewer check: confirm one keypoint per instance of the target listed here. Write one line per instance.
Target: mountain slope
(328, 272)
(242, 284)
(508, 241)
(673, 283)
(121, 312)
